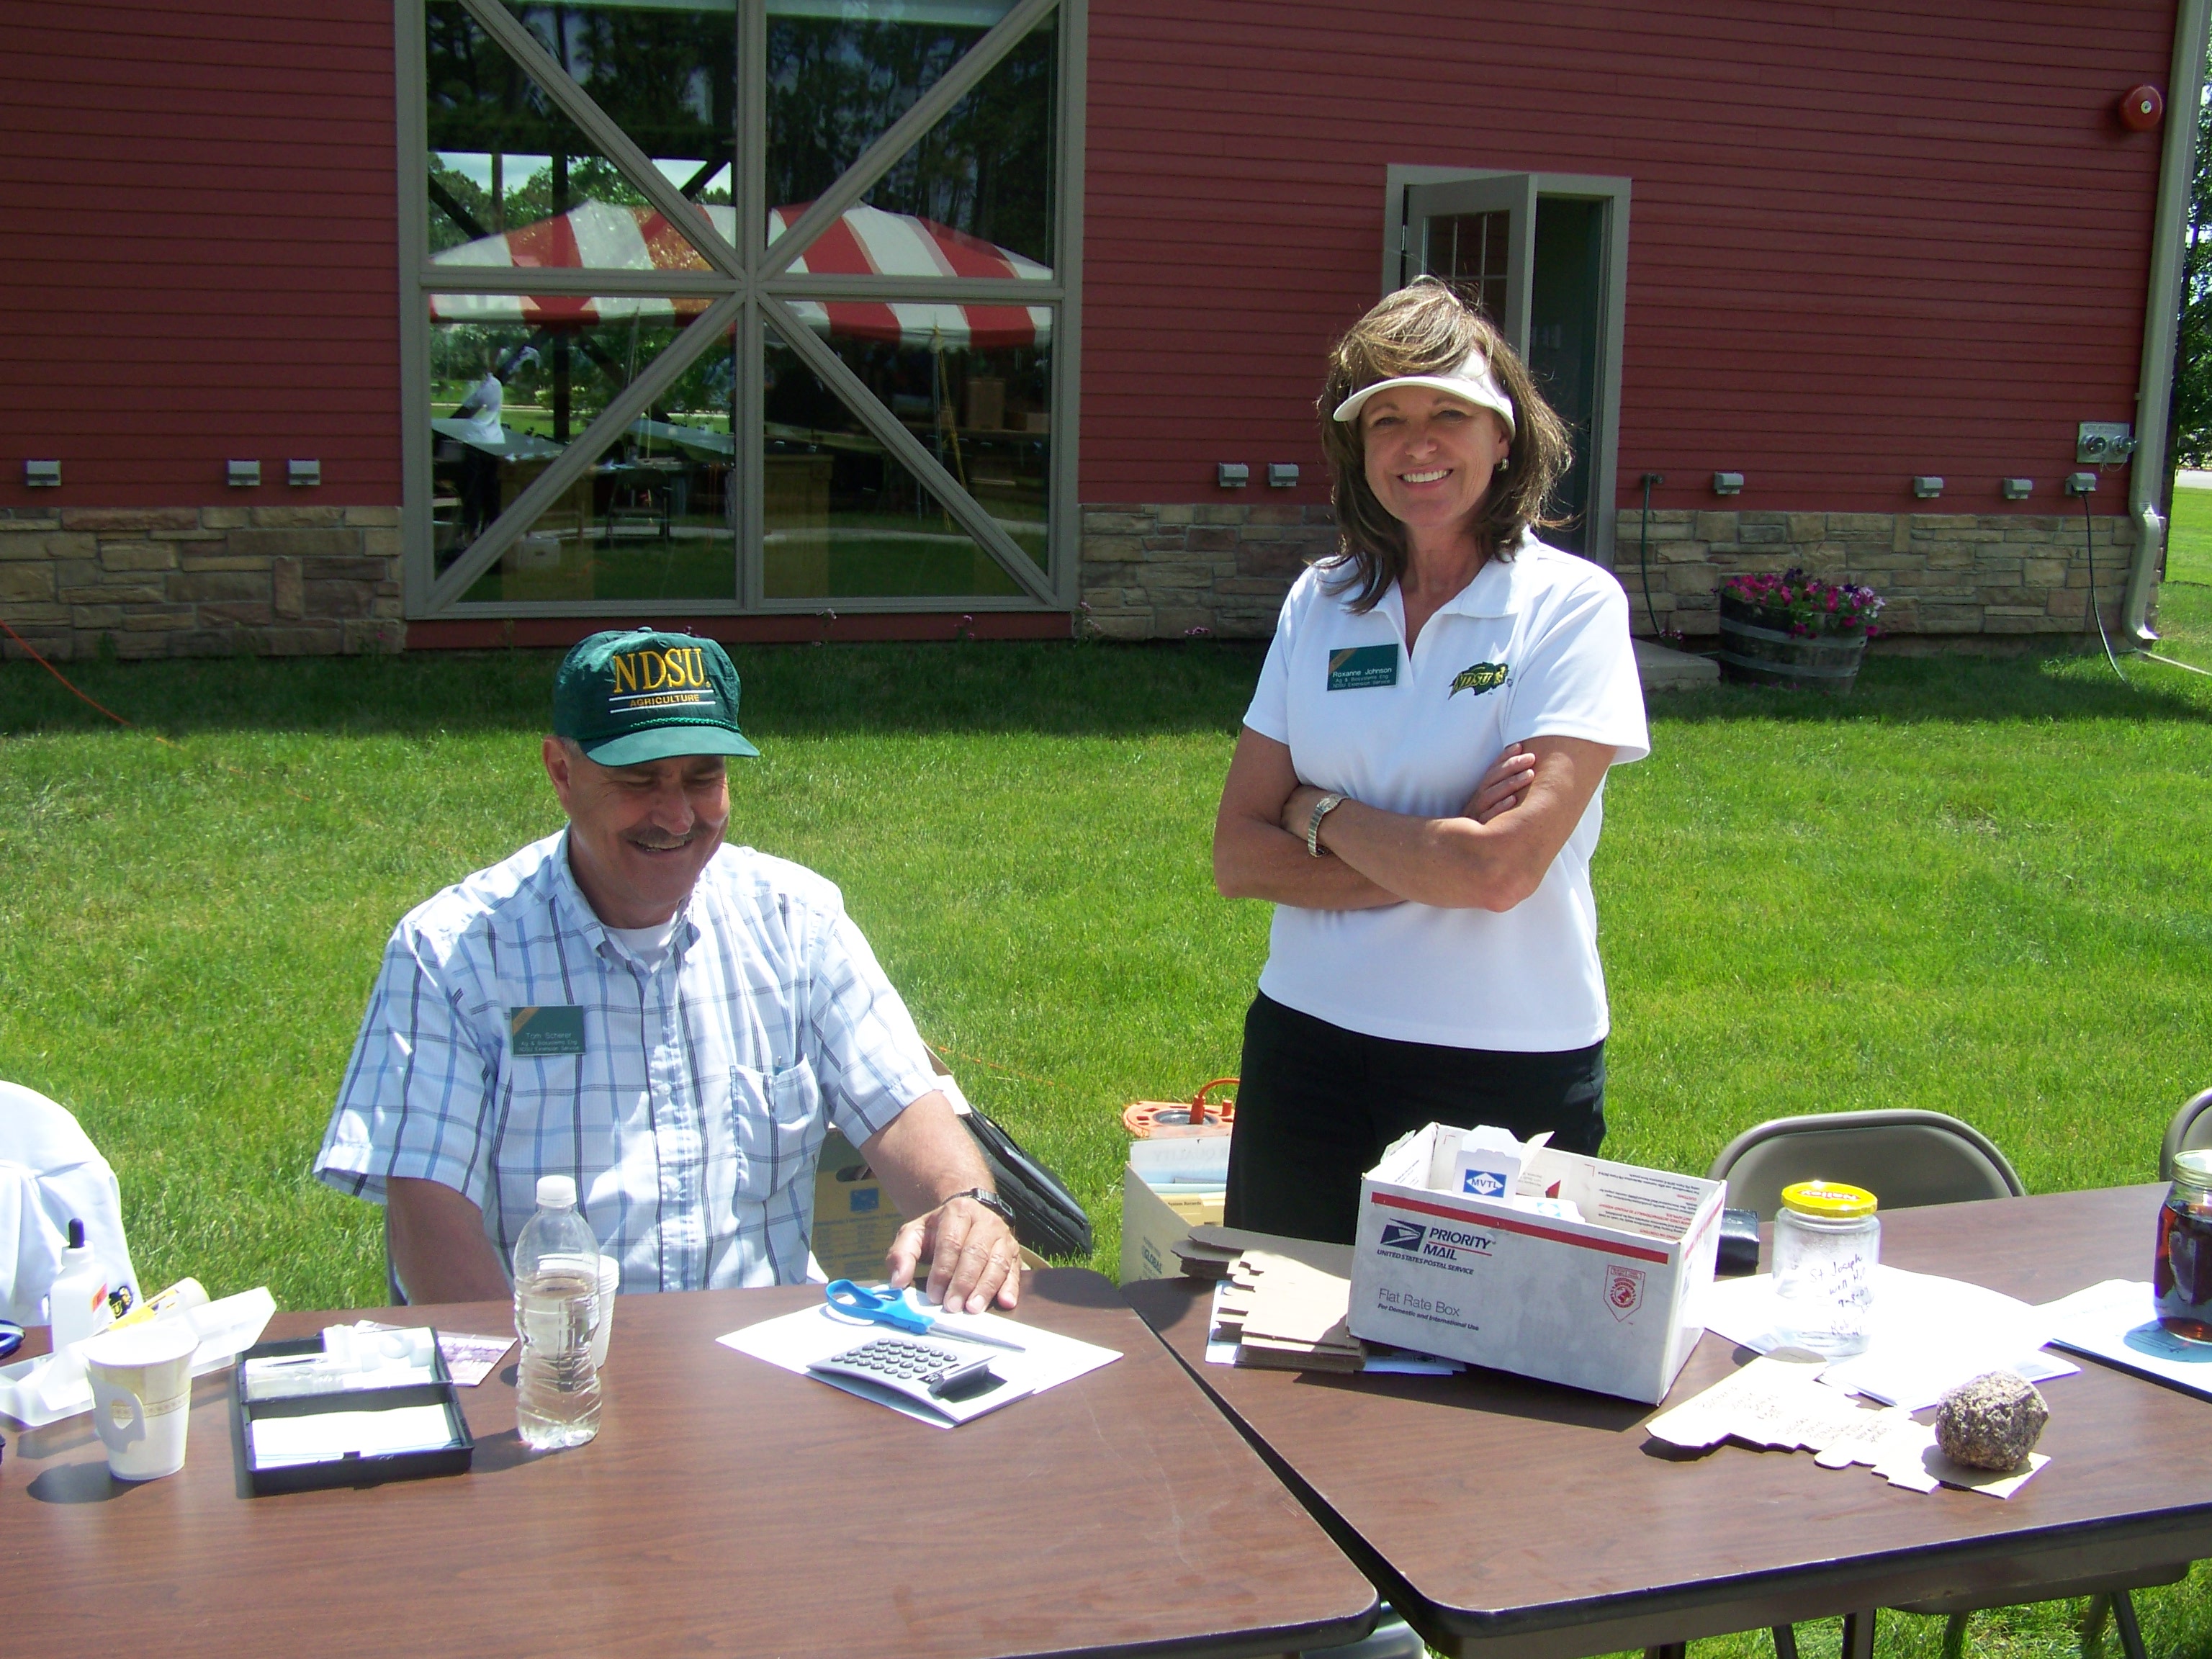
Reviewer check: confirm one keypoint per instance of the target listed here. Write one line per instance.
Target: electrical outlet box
(303, 474)
(2081, 484)
(42, 475)
(1728, 483)
(2103, 443)
(2016, 489)
(1231, 475)
(1282, 475)
(242, 475)
(1927, 486)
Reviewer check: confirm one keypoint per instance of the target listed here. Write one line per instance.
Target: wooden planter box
(1758, 649)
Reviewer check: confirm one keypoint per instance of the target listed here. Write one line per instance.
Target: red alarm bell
(2142, 109)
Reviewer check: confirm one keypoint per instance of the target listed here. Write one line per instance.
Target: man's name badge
(539, 1032)
(1358, 667)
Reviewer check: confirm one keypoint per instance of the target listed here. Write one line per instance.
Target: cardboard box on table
(1171, 1187)
(854, 1219)
(1614, 1303)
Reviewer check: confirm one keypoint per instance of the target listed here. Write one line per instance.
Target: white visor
(1471, 381)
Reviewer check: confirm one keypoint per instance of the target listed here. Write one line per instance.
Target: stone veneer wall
(1152, 571)
(202, 581)
(302, 580)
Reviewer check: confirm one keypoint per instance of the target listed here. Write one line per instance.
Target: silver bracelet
(1322, 808)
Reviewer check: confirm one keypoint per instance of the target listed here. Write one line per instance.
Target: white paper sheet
(2117, 1321)
(795, 1340)
(324, 1436)
(1928, 1334)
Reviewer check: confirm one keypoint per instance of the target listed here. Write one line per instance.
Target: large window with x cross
(722, 306)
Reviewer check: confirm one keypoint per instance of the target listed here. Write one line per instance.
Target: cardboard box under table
(1614, 1303)
(1171, 1187)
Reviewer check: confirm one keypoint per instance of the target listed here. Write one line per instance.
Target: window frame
(1605, 436)
(749, 285)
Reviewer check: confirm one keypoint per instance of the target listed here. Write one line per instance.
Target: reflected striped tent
(863, 241)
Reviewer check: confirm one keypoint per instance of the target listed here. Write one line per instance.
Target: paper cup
(141, 1395)
(610, 1282)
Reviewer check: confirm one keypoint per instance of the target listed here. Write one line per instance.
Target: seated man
(674, 1022)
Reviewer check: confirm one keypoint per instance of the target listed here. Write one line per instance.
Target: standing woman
(1417, 783)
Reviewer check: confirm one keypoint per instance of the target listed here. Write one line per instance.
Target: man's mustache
(698, 832)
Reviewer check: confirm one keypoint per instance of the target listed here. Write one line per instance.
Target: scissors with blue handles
(892, 1308)
(11, 1337)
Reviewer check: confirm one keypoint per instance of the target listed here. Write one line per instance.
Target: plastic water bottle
(556, 1295)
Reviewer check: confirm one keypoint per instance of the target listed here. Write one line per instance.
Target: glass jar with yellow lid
(1827, 1238)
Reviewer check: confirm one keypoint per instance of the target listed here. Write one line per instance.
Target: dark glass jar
(2181, 1276)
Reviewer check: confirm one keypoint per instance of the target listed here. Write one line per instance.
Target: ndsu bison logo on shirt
(1478, 678)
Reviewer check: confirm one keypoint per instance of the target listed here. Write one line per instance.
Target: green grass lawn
(1977, 885)
(2188, 542)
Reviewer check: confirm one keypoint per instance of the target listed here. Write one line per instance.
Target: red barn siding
(201, 246)
(1865, 241)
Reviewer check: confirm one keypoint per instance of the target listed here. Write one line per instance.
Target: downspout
(2162, 316)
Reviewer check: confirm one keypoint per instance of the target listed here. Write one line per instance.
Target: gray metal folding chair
(1907, 1159)
(2189, 1132)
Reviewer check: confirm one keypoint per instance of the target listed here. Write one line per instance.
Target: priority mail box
(1171, 1185)
(1613, 1302)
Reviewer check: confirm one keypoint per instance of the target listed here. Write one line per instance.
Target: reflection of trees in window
(986, 168)
(667, 78)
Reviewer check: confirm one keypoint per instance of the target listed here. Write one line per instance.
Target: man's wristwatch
(1322, 808)
(991, 1201)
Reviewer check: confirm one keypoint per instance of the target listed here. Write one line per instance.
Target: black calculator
(944, 1378)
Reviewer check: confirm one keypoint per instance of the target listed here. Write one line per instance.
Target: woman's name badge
(541, 1033)
(1358, 667)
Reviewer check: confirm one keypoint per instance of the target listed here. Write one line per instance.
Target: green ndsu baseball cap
(626, 698)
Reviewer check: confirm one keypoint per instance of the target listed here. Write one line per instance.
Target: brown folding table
(727, 1507)
(1525, 1520)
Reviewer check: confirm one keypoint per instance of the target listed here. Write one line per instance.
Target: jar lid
(1828, 1198)
(2195, 1168)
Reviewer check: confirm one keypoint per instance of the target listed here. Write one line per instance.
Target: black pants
(1316, 1105)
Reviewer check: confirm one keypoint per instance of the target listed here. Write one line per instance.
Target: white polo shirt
(1534, 647)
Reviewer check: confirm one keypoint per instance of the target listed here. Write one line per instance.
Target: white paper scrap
(1770, 1402)
(795, 1340)
(2117, 1321)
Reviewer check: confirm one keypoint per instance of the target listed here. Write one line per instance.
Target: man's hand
(971, 1254)
(925, 1154)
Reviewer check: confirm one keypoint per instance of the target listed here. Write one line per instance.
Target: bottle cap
(556, 1192)
(1828, 1198)
(76, 1234)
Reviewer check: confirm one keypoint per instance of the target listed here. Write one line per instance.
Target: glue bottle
(77, 1302)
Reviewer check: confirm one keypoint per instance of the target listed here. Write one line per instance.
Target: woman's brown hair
(1428, 328)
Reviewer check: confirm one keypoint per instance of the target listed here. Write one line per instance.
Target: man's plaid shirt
(694, 1116)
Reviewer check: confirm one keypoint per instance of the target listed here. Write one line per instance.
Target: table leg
(1667, 1650)
(1785, 1642)
(2124, 1616)
(1858, 1634)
